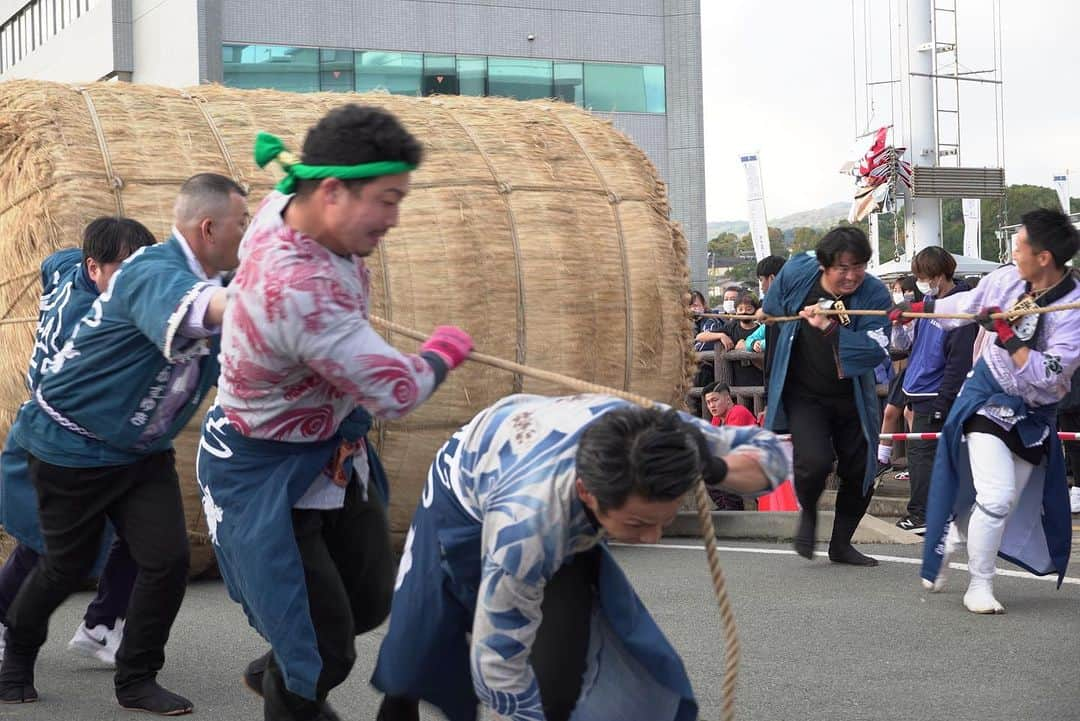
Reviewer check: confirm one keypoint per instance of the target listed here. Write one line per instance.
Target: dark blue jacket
(939, 361)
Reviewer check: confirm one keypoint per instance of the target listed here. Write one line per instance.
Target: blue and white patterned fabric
(499, 516)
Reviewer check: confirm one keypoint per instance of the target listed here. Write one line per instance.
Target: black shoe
(326, 713)
(395, 708)
(253, 674)
(150, 697)
(850, 556)
(805, 535)
(913, 523)
(882, 469)
(17, 678)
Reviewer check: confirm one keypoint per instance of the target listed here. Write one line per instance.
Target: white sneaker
(3, 630)
(1074, 499)
(980, 598)
(99, 643)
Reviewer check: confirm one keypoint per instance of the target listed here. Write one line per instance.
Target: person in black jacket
(938, 363)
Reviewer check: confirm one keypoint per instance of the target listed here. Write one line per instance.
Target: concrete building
(637, 62)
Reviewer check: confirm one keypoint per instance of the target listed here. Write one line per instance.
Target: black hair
(643, 451)
(769, 265)
(933, 261)
(718, 387)
(908, 284)
(109, 239)
(747, 298)
(211, 184)
(840, 240)
(1051, 230)
(357, 134)
(697, 294)
(736, 288)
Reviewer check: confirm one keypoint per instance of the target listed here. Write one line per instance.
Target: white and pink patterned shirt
(297, 351)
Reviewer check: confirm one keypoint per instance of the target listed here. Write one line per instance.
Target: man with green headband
(293, 495)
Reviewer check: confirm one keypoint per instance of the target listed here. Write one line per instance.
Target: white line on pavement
(789, 552)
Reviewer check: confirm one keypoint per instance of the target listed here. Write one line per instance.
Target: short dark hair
(747, 298)
(736, 288)
(697, 294)
(1052, 231)
(644, 451)
(933, 261)
(357, 134)
(769, 265)
(109, 239)
(718, 387)
(204, 194)
(840, 240)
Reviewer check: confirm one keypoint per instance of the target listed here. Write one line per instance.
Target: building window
(272, 66)
(610, 87)
(336, 71)
(570, 83)
(520, 78)
(472, 75)
(397, 73)
(440, 75)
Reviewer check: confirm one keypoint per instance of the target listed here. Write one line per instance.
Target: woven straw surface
(535, 226)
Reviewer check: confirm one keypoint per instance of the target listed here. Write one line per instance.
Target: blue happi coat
(1038, 533)
(497, 520)
(67, 294)
(249, 488)
(99, 391)
(862, 346)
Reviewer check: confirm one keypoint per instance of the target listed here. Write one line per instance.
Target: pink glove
(451, 343)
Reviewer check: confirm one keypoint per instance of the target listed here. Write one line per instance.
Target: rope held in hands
(732, 650)
(1006, 315)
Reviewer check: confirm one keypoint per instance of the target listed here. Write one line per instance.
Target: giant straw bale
(535, 226)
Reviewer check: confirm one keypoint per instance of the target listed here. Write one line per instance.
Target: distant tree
(803, 239)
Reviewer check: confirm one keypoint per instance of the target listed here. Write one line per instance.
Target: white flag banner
(755, 197)
(972, 227)
(1061, 185)
(875, 242)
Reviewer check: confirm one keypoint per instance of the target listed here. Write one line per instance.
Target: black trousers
(920, 455)
(143, 502)
(1070, 421)
(824, 429)
(349, 571)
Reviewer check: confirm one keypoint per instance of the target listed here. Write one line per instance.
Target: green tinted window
(570, 83)
(440, 75)
(398, 73)
(520, 78)
(472, 75)
(271, 66)
(336, 70)
(624, 88)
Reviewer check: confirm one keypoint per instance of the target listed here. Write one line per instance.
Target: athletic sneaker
(903, 475)
(99, 643)
(1074, 502)
(914, 524)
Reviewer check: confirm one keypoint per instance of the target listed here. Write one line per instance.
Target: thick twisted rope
(732, 649)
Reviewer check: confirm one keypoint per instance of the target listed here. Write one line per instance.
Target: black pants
(920, 455)
(559, 651)
(824, 429)
(349, 571)
(1070, 421)
(113, 591)
(143, 502)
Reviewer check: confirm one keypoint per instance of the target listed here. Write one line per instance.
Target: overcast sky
(778, 79)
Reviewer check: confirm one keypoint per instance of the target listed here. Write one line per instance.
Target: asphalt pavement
(819, 642)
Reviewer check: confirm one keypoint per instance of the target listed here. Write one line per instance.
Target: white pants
(999, 477)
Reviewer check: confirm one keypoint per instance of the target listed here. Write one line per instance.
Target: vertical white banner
(1061, 185)
(755, 197)
(875, 243)
(972, 227)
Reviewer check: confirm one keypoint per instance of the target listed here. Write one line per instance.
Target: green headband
(269, 147)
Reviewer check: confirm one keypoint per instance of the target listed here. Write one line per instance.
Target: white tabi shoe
(952, 542)
(980, 598)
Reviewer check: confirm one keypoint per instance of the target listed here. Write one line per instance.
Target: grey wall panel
(649, 132)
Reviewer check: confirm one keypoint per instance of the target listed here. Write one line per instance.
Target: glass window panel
(397, 73)
(440, 75)
(655, 89)
(271, 66)
(569, 83)
(472, 75)
(336, 70)
(520, 78)
(610, 87)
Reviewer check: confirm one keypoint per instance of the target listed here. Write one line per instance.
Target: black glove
(713, 470)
